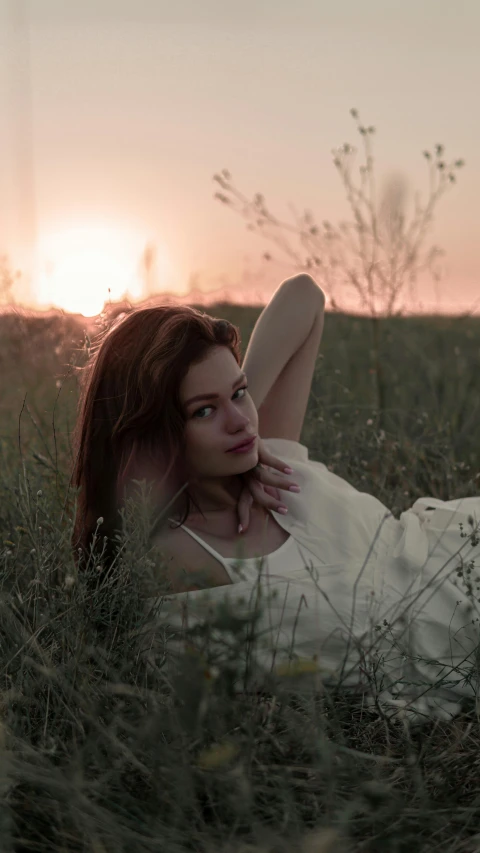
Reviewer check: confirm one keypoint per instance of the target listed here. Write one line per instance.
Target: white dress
(394, 619)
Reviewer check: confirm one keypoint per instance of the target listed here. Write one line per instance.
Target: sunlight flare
(81, 268)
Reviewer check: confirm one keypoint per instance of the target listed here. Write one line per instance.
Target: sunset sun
(81, 268)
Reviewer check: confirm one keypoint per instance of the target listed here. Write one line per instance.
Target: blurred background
(116, 114)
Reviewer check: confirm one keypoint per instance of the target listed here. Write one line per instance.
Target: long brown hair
(129, 417)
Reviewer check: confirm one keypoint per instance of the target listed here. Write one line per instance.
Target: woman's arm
(281, 356)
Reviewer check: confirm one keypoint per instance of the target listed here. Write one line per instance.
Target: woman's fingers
(268, 458)
(263, 486)
(271, 478)
(266, 496)
(243, 508)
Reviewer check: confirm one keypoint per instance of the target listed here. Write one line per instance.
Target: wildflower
(217, 755)
(211, 673)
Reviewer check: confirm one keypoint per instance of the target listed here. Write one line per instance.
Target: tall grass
(117, 736)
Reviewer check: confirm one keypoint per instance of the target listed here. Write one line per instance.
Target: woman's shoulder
(164, 552)
(185, 565)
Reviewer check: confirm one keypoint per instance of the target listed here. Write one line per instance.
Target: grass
(115, 737)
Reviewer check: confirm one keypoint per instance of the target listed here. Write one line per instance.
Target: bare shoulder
(171, 563)
(186, 566)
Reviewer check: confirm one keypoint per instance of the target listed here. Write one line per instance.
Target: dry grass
(105, 748)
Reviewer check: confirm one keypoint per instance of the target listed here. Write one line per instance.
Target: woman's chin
(246, 460)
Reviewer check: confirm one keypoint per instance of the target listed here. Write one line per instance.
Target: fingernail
(283, 509)
(240, 528)
(288, 470)
(294, 489)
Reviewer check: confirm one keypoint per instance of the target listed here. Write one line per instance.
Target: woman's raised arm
(281, 356)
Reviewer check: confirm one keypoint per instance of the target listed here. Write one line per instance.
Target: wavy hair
(130, 422)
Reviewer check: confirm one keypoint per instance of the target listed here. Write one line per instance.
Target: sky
(115, 116)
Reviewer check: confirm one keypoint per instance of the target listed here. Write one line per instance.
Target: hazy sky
(135, 105)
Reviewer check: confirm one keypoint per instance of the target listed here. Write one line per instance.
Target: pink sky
(117, 114)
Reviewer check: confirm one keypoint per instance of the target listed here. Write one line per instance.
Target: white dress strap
(229, 570)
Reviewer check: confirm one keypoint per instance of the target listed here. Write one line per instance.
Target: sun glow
(82, 268)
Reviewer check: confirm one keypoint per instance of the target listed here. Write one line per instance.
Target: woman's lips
(244, 447)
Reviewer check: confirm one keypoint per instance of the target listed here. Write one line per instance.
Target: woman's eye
(204, 409)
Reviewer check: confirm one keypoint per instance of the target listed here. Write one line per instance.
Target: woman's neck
(216, 496)
(224, 522)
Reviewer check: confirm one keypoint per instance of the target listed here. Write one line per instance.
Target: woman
(165, 399)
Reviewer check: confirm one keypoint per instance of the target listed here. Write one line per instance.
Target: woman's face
(213, 426)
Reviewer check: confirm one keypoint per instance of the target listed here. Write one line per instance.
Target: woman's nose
(236, 418)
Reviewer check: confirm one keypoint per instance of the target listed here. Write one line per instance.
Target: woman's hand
(263, 486)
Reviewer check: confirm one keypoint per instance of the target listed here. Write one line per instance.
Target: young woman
(165, 399)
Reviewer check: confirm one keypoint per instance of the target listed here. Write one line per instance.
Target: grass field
(101, 751)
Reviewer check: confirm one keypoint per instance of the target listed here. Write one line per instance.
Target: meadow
(102, 751)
